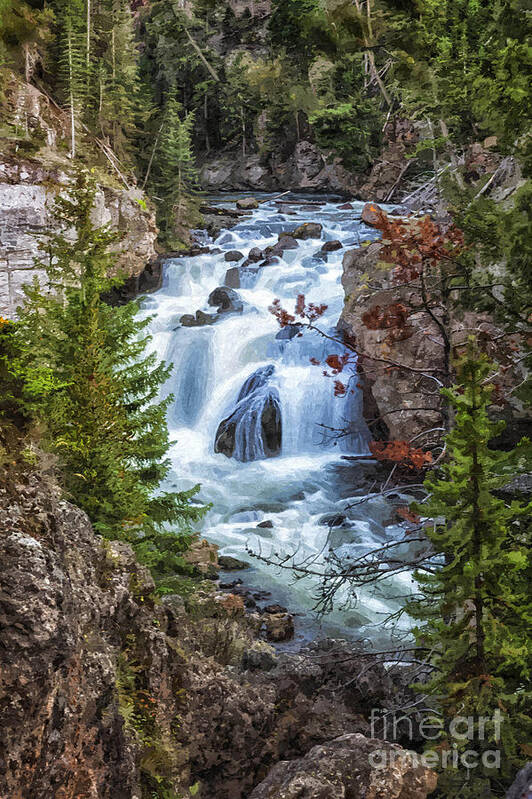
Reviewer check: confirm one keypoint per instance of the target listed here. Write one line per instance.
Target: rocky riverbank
(109, 691)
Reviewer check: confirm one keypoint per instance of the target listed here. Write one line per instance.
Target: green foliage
(474, 609)
(89, 381)
(351, 129)
(174, 173)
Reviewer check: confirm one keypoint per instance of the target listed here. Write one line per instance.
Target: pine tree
(474, 609)
(72, 60)
(89, 381)
(118, 78)
(175, 176)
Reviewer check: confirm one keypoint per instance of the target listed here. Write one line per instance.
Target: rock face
(309, 169)
(105, 691)
(26, 190)
(343, 769)
(68, 603)
(368, 283)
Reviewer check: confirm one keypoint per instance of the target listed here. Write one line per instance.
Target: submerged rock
(229, 563)
(198, 320)
(226, 300)
(253, 430)
(232, 278)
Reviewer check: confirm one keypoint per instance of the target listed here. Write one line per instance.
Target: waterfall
(254, 421)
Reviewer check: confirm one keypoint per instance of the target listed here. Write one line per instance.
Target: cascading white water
(241, 367)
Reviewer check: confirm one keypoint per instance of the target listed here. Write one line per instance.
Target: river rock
(226, 300)
(287, 241)
(199, 320)
(266, 525)
(331, 246)
(254, 428)
(349, 767)
(346, 207)
(371, 214)
(247, 204)
(232, 278)
(233, 255)
(308, 230)
(229, 563)
(279, 627)
(255, 255)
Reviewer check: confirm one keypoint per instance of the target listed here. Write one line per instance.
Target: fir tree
(474, 609)
(89, 381)
(175, 175)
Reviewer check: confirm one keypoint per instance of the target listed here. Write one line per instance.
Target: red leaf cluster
(340, 390)
(413, 245)
(311, 312)
(393, 317)
(400, 452)
(282, 316)
(337, 362)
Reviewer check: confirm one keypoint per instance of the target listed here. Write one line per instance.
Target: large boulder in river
(255, 255)
(227, 300)
(233, 255)
(253, 430)
(332, 246)
(247, 204)
(232, 278)
(349, 767)
(371, 213)
(308, 230)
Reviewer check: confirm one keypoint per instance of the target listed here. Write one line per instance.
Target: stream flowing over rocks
(254, 421)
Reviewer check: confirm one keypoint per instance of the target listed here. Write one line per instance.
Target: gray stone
(229, 563)
(233, 255)
(232, 278)
(308, 230)
(247, 203)
(344, 769)
(255, 255)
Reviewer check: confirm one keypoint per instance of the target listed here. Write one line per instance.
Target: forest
(241, 543)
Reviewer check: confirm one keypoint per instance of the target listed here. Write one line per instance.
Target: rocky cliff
(105, 691)
(308, 169)
(33, 168)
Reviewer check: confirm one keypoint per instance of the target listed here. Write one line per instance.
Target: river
(243, 366)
